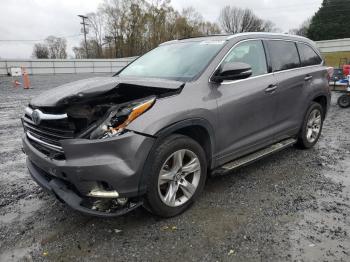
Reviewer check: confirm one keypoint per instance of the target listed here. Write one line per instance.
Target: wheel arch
(198, 129)
(323, 101)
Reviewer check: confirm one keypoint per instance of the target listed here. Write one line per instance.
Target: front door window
(251, 53)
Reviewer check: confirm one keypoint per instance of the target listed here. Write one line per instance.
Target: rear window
(284, 55)
(308, 56)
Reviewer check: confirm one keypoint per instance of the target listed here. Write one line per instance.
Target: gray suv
(150, 134)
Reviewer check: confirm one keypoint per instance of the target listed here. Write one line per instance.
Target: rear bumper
(116, 163)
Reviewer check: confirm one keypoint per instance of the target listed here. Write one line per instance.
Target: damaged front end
(119, 117)
(89, 111)
(92, 205)
(80, 149)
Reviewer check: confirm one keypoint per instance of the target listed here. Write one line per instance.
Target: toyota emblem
(36, 116)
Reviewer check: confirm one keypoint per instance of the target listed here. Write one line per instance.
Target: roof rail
(190, 37)
(230, 36)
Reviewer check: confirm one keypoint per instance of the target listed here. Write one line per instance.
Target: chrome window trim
(267, 74)
(274, 73)
(241, 80)
(57, 148)
(43, 116)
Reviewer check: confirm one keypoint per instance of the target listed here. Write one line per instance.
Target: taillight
(330, 71)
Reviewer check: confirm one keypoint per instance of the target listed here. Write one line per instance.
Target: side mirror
(232, 71)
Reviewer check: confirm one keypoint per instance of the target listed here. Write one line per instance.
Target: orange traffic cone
(16, 83)
(26, 82)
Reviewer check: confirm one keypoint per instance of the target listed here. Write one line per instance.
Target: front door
(246, 107)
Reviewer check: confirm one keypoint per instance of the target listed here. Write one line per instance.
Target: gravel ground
(292, 206)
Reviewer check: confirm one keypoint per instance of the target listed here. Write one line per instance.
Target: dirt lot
(293, 206)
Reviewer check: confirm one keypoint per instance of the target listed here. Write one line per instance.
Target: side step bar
(245, 160)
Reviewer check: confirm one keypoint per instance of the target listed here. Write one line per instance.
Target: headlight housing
(118, 119)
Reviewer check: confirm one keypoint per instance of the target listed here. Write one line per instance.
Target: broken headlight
(119, 119)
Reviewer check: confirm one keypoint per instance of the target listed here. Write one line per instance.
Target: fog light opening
(122, 201)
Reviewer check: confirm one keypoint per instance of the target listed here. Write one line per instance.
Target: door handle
(308, 78)
(271, 89)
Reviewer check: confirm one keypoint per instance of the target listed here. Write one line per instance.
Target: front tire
(312, 126)
(176, 175)
(344, 101)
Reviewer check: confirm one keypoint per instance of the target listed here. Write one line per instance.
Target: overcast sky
(36, 19)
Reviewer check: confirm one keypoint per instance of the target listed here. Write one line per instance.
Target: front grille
(46, 136)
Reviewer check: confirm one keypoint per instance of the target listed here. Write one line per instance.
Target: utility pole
(84, 28)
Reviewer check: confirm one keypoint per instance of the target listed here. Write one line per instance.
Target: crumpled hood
(89, 88)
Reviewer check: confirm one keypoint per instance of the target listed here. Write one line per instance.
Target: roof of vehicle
(227, 37)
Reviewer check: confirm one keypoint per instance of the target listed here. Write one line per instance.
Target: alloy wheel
(313, 126)
(179, 178)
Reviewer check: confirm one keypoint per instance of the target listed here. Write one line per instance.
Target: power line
(35, 40)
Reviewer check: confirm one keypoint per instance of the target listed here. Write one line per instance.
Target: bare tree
(115, 24)
(237, 20)
(303, 29)
(93, 47)
(57, 47)
(40, 51)
(79, 51)
(191, 21)
(96, 26)
(208, 28)
(158, 26)
(128, 28)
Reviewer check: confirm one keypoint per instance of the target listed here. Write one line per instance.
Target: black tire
(344, 101)
(303, 141)
(159, 156)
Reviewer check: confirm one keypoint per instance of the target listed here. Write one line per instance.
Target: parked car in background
(150, 134)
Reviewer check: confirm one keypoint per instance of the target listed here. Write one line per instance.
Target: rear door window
(308, 56)
(250, 52)
(283, 55)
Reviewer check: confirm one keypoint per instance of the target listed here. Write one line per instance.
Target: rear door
(315, 75)
(246, 107)
(286, 67)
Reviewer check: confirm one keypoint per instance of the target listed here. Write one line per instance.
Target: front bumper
(116, 162)
(71, 198)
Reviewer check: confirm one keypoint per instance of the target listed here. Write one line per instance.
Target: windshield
(179, 61)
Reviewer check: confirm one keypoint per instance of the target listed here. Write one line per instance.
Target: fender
(166, 131)
(312, 98)
(326, 95)
(318, 94)
(186, 123)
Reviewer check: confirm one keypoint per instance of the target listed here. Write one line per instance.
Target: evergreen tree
(331, 21)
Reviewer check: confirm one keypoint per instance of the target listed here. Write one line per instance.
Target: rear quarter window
(308, 56)
(283, 55)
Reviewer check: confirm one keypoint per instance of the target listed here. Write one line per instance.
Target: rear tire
(344, 101)
(176, 175)
(312, 126)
